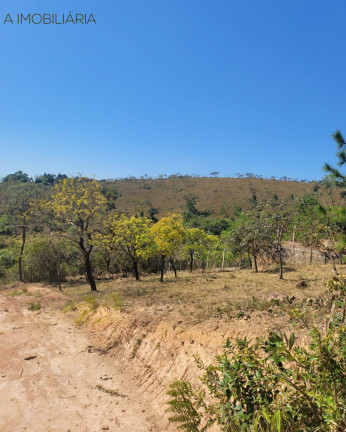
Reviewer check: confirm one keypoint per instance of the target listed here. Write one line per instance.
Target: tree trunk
(293, 240)
(331, 197)
(280, 260)
(334, 266)
(89, 273)
(162, 267)
(191, 262)
(135, 269)
(310, 261)
(255, 263)
(173, 267)
(223, 259)
(58, 275)
(108, 264)
(20, 260)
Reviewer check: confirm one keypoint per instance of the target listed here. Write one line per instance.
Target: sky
(173, 86)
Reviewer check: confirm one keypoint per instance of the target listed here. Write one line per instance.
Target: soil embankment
(51, 379)
(113, 373)
(160, 350)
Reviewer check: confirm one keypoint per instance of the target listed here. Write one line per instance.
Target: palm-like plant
(336, 175)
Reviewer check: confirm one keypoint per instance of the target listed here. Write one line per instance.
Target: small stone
(302, 284)
(291, 299)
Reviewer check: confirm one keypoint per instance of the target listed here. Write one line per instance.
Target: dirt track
(51, 380)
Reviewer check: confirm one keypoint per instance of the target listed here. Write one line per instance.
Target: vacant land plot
(113, 373)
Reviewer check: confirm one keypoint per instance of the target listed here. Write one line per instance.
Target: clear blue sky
(167, 86)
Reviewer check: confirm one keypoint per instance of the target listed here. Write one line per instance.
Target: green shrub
(83, 317)
(7, 258)
(48, 260)
(271, 384)
(70, 307)
(113, 300)
(34, 306)
(90, 305)
(91, 302)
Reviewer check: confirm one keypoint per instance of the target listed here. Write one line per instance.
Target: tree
(77, 204)
(330, 235)
(237, 238)
(310, 219)
(211, 245)
(18, 176)
(152, 212)
(49, 179)
(111, 194)
(336, 175)
(194, 243)
(168, 234)
(191, 213)
(276, 219)
(190, 206)
(329, 184)
(133, 236)
(17, 202)
(46, 259)
(251, 236)
(322, 229)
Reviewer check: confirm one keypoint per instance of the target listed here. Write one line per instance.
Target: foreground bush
(271, 384)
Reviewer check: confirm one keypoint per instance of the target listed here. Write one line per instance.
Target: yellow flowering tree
(77, 204)
(132, 235)
(169, 235)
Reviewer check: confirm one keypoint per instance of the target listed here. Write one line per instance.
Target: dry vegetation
(167, 195)
(196, 297)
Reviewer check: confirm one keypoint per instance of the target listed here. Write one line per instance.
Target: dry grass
(167, 195)
(195, 297)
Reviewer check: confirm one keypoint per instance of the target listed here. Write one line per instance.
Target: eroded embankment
(158, 350)
(110, 374)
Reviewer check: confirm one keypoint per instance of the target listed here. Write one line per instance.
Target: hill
(219, 195)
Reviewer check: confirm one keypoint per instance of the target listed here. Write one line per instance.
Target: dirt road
(52, 380)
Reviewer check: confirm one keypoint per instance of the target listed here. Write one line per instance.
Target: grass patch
(70, 307)
(19, 293)
(32, 306)
(113, 300)
(83, 317)
(89, 304)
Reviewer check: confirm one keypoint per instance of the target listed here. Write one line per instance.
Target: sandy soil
(53, 380)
